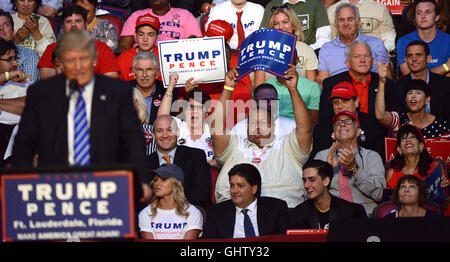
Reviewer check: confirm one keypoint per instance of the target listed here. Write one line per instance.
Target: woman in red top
(412, 158)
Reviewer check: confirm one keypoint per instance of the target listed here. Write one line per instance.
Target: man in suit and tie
(79, 118)
(246, 214)
(197, 176)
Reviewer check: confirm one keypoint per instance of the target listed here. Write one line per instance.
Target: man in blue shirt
(28, 59)
(332, 54)
(426, 15)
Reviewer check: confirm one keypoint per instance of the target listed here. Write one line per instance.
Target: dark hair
(264, 86)
(412, 179)
(92, 2)
(324, 169)
(426, 48)
(8, 15)
(71, 10)
(204, 98)
(399, 161)
(250, 173)
(38, 3)
(417, 84)
(5, 46)
(415, 3)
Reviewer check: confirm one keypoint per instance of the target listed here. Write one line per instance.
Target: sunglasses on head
(282, 7)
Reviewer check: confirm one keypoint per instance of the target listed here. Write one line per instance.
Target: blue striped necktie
(81, 141)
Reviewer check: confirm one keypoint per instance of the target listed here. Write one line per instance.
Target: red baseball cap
(347, 113)
(343, 90)
(149, 20)
(220, 28)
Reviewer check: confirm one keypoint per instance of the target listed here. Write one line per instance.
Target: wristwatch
(355, 169)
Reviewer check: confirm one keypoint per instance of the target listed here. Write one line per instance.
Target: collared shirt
(427, 107)
(171, 154)
(148, 101)
(332, 54)
(28, 61)
(239, 231)
(87, 94)
(279, 163)
(363, 92)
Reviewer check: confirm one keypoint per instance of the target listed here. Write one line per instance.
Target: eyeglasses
(347, 122)
(282, 7)
(9, 60)
(5, 25)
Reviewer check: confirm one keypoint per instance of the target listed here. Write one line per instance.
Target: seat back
(384, 208)
(115, 20)
(388, 207)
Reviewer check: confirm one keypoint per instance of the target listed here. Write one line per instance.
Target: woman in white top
(194, 130)
(284, 18)
(32, 31)
(169, 215)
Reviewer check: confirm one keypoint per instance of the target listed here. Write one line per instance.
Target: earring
(333, 137)
(363, 137)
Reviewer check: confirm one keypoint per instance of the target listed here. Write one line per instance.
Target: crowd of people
(309, 150)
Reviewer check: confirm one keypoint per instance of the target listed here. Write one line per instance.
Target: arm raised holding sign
(303, 130)
(219, 135)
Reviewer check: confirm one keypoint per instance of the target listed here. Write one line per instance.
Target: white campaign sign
(201, 58)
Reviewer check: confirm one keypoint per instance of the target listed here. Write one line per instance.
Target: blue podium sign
(64, 206)
(269, 50)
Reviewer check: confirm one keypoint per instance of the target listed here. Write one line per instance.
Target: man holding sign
(262, 148)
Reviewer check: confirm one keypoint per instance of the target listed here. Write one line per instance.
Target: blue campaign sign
(64, 206)
(269, 50)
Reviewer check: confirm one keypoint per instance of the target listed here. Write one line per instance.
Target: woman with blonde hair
(169, 215)
(285, 19)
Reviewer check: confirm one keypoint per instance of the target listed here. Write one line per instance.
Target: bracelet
(228, 88)
(445, 67)
(7, 76)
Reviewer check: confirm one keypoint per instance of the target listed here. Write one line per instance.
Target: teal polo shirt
(309, 91)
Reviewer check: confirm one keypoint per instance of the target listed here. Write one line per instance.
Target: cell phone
(36, 17)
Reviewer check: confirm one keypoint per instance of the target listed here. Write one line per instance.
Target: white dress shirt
(239, 231)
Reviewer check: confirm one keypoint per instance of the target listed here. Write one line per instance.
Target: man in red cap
(220, 28)
(365, 83)
(358, 172)
(147, 28)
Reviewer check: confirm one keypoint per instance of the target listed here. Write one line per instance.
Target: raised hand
(173, 79)
(190, 84)
(231, 76)
(383, 71)
(346, 157)
(291, 76)
(331, 158)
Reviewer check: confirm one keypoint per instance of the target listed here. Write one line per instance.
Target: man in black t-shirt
(321, 208)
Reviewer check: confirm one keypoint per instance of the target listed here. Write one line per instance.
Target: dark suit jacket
(115, 130)
(304, 216)
(439, 90)
(272, 215)
(197, 176)
(374, 132)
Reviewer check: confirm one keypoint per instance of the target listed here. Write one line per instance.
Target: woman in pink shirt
(176, 23)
